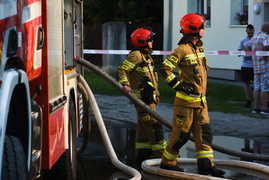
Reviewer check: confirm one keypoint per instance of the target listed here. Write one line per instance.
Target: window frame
(239, 6)
(203, 7)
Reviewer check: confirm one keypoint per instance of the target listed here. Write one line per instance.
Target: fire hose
(161, 119)
(136, 175)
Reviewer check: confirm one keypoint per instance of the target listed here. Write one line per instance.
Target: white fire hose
(114, 159)
(152, 166)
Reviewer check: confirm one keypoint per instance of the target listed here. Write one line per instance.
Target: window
(201, 7)
(266, 14)
(239, 12)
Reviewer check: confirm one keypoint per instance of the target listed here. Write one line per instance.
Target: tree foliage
(101, 11)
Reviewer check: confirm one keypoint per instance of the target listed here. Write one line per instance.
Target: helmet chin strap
(187, 38)
(197, 34)
(146, 46)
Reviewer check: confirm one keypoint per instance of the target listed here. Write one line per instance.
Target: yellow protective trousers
(149, 141)
(185, 120)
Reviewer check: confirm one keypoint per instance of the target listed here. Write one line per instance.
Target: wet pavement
(223, 124)
(94, 162)
(235, 131)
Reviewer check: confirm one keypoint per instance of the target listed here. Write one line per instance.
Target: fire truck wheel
(72, 154)
(69, 159)
(84, 134)
(14, 162)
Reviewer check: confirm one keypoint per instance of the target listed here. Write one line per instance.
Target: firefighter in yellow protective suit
(190, 107)
(138, 76)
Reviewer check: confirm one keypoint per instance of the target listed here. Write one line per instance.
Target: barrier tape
(156, 52)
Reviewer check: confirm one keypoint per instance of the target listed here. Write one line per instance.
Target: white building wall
(174, 10)
(219, 35)
(178, 12)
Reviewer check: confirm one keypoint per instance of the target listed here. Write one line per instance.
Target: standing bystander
(247, 73)
(260, 42)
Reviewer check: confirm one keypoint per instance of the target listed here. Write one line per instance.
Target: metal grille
(55, 48)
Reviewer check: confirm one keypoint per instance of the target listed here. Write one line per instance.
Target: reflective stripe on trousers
(153, 147)
(169, 156)
(204, 154)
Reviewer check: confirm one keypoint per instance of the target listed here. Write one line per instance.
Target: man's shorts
(247, 74)
(261, 82)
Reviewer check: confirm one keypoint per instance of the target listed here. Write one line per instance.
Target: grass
(220, 96)
(99, 85)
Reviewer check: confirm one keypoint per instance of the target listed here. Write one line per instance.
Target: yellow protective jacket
(192, 68)
(138, 64)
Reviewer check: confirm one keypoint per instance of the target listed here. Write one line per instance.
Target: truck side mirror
(12, 43)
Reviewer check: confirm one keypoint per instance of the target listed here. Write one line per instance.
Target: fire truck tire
(66, 167)
(85, 121)
(14, 165)
(68, 160)
(71, 153)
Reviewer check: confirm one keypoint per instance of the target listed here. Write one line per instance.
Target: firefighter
(138, 76)
(190, 106)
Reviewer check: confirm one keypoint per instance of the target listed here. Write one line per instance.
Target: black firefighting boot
(205, 168)
(142, 155)
(173, 168)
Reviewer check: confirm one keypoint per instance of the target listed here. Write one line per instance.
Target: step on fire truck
(39, 109)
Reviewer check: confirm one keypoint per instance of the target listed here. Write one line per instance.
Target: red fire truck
(39, 111)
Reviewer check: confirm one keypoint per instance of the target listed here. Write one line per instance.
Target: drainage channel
(94, 162)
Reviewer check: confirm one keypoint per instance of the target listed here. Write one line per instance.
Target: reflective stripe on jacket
(138, 94)
(192, 68)
(132, 70)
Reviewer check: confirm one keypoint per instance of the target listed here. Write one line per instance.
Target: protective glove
(187, 88)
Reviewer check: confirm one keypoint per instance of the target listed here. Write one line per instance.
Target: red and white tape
(155, 52)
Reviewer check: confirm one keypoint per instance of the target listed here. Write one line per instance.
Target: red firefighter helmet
(191, 23)
(140, 36)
